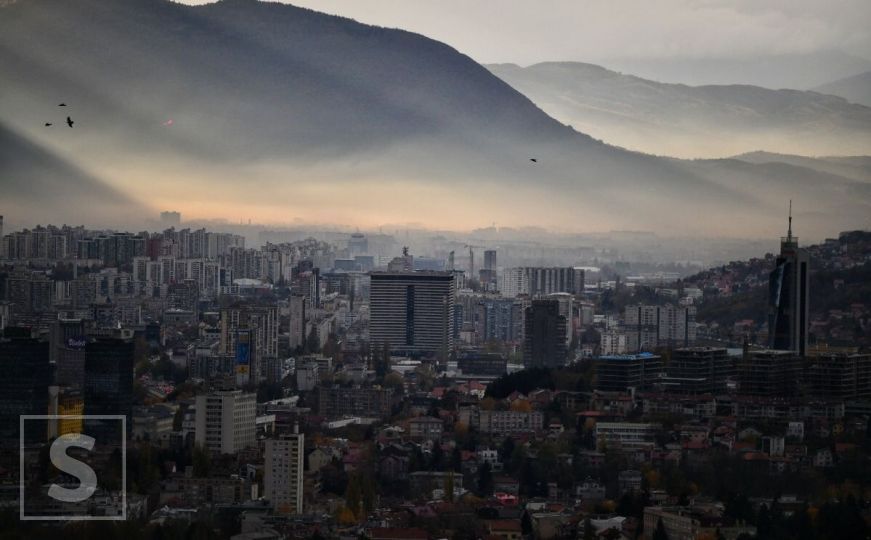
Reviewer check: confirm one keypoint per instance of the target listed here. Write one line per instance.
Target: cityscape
(434, 309)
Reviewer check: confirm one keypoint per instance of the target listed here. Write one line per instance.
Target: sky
(526, 31)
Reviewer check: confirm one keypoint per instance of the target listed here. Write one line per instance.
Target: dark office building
(699, 370)
(109, 380)
(839, 375)
(481, 363)
(770, 373)
(621, 372)
(68, 340)
(337, 401)
(788, 307)
(544, 343)
(24, 386)
(412, 311)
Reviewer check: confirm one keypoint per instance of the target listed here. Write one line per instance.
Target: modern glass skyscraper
(788, 306)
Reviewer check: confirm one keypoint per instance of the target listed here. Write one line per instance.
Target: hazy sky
(527, 31)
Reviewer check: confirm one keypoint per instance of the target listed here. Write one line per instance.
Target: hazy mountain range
(264, 110)
(802, 71)
(856, 88)
(691, 121)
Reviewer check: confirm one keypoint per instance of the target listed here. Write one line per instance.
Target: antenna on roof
(789, 231)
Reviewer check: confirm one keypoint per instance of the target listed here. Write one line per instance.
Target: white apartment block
(612, 343)
(225, 421)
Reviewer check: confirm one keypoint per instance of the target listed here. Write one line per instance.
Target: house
(590, 491)
(424, 482)
(425, 428)
(629, 481)
(507, 529)
(491, 457)
(394, 463)
(823, 458)
(318, 459)
(396, 533)
(506, 484)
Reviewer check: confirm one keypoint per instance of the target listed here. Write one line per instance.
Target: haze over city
(238, 110)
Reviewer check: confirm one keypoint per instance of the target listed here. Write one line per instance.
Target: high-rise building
(699, 370)
(612, 342)
(358, 244)
(839, 375)
(788, 296)
(544, 343)
(767, 372)
(413, 312)
(109, 380)
(619, 373)
(297, 318)
(538, 281)
(68, 342)
(490, 259)
(283, 472)
(225, 421)
(497, 319)
(260, 325)
(23, 386)
(648, 327)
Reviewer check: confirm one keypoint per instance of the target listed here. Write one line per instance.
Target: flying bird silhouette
(69, 121)
(62, 105)
(532, 159)
(48, 124)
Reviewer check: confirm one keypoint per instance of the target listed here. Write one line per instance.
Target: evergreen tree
(659, 533)
(589, 532)
(485, 480)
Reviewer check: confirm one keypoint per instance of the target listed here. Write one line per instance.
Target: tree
(354, 496)
(449, 487)
(346, 517)
(589, 532)
(485, 480)
(659, 533)
(395, 381)
(202, 461)
(312, 342)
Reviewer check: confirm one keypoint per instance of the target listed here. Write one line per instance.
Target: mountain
(36, 178)
(856, 88)
(797, 70)
(691, 121)
(853, 167)
(252, 109)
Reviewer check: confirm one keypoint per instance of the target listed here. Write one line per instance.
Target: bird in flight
(62, 105)
(532, 159)
(69, 121)
(47, 124)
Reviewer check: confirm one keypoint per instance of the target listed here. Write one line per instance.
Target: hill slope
(280, 112)
(691, 121)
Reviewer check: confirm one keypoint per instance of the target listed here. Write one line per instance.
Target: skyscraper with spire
(788, 301)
